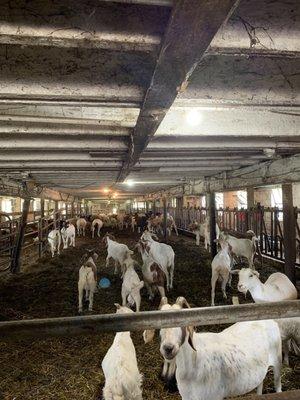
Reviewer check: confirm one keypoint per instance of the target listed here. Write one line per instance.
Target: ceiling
(143, 95)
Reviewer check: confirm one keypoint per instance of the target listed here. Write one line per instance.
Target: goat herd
(206, 365)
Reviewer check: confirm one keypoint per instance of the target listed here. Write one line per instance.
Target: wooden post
(165, 218)
(147, 206)
(154, 207)
(72, 210)
(250, 197)
(211, 203)
(289, 231)
(15, 263)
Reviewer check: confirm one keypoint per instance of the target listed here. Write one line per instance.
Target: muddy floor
(70, 368)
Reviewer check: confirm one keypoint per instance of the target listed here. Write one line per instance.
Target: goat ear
(190, 330)
(163, 301)
(255, 273)
(148, 335)
(235, 271)
(117, 305)
(182, 302)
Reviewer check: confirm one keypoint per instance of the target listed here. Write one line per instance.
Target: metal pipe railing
(93, 324)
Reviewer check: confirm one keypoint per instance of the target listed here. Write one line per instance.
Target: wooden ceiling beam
(191, 28)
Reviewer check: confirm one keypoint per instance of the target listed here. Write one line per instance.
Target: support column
(289, 231)
(72, 210)
(250, 197)
(165, 218)
(15, 263)
(147, 206)
(42, 207)
(211, 204)
(154, 207)
(55, 216)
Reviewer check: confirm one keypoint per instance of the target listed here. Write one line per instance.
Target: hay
(70, 368)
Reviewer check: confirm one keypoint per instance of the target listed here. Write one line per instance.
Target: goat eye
(250, 276)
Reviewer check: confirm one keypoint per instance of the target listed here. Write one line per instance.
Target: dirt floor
(70, 368)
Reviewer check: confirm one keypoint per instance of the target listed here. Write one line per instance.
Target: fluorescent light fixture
(129, 182)
(193, 117)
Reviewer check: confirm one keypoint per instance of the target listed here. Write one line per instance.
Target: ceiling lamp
(193, 117)
(129, 182)
(105, 190)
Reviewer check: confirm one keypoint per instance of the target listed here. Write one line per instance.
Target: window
(241, 199)
(36, 204)
(276, 198)
(6, 205)
(173, 202)
(219, 200)
(276, 201)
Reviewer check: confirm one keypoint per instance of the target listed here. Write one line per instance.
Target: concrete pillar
(289, 231)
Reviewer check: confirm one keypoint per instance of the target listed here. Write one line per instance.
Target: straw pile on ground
(70, 368)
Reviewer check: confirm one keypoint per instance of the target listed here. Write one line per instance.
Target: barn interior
(181, 108)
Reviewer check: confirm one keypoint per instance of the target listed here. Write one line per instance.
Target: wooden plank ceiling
(143, 95)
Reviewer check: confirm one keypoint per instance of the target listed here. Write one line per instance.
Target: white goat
(99, 224)
(220, 365)
(290, 336)
(54, 239)
(131, 285)
(162, 254)
(81, 225)
(68, 235)
(277, 287)
(221, 267)
(119, 252)
(241, 247)
(203, 230)
(87, 281)
(154, 277)
(123, 380)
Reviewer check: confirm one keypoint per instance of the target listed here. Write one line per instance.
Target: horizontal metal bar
(290, 395)
(93, 324)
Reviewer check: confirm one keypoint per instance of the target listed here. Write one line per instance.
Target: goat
(277, 287)
(162, 254)
(68, 234)
(203, 230)
(131, 285)
(99, 224)
(54, 239)
(221, 267)
(81, 225)
(220, 365)
(290, 336)
(123, 380)
(87, 280)
(119, 252)
(241, 247)
(154, 277)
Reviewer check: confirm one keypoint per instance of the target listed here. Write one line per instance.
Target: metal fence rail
(37, 228)
(266, 222)
(203, 316)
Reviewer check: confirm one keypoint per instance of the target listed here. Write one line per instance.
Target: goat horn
(181, 301)
(163, 301)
